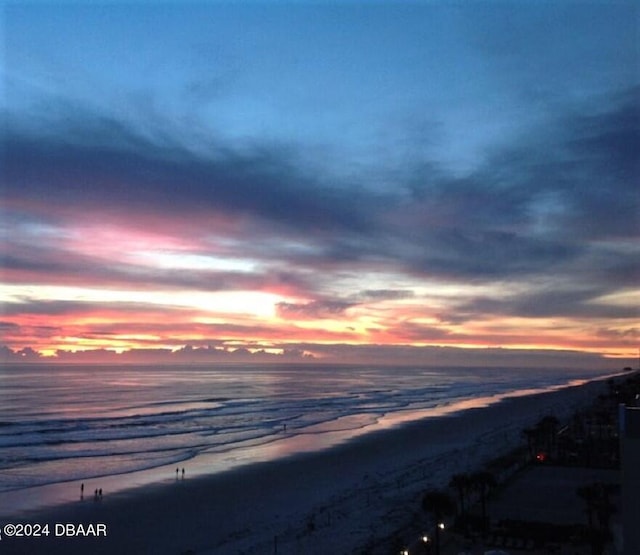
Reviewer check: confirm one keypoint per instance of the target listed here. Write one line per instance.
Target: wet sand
(335, 501)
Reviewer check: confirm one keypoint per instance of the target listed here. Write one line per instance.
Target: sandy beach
(347, 499)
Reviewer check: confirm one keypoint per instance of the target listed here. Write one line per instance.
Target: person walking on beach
(82, 490)
(183, 473)
(177, 470)
(100, 493)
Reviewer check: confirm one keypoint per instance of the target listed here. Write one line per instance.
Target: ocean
(62, 424)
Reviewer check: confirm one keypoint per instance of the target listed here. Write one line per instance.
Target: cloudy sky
(342, 179)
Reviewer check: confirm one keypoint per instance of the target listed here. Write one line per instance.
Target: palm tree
(588, 495)
(438, 504)
(548, 427)
(461, 483)
(530, 434)
(598, 504)
(483, 481)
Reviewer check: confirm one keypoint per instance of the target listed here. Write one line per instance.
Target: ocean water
(60, 424)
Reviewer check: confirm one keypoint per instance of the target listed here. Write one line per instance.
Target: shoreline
(330, 501)
(294, 442)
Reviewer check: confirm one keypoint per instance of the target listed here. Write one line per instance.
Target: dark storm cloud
(30, 307)
(466, 254)
(60, 267)
(313, 309)
(538, 206)
(183, 329)
(593, 165)
(562, 302)
(412, 331)
(99, 163)
(384, 295)
(614, 267)
(7, 327)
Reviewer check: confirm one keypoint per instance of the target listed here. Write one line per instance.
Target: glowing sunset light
(194, 261)
(242, 302)
(190, 190)
(628, 298)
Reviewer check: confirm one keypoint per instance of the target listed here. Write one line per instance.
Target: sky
(338, 181)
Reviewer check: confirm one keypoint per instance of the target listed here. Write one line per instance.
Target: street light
(426, 544)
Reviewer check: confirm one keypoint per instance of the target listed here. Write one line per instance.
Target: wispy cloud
(164, 209)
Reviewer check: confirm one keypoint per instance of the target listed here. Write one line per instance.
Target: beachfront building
(630, 454)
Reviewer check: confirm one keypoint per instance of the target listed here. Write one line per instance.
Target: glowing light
(178, 260)
(256, 303)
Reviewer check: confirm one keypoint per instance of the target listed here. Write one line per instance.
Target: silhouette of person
(100, 493)
(183, 473)
(82, 490)
(95, 495)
